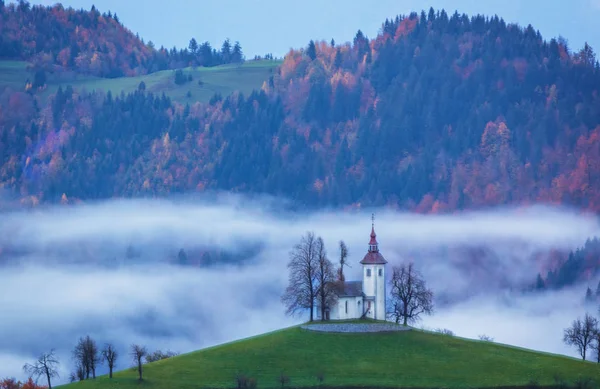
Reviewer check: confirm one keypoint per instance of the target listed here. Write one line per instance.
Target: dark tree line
(51, 38)
(579, 265)
(438, 112)
(87, 357)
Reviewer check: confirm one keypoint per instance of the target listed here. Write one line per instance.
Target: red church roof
(373, 257)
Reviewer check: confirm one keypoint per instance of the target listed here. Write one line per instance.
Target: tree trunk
(405, 321)
(140, 367)
(584, 350)
(110, 372)
(48, 378)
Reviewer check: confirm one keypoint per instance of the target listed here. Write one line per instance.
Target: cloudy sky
(275, 26)
(69, 277)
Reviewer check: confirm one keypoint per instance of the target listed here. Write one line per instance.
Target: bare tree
(301, 292)
(46, 365)
(138, 352)
(327, 285)
(87, 355)
(581, 334)
(409, 296)
(343, 257)
(110, 355)
(596, 345)
(78, 374)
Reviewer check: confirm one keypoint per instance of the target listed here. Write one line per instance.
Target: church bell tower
(373, 265)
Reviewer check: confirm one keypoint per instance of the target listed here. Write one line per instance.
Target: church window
(346, 306)
(368, 272)
(380, 272)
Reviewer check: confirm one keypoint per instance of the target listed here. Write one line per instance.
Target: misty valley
(91, 264)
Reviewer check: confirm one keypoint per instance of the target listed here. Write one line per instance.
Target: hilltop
(58, 39)
(392, 359)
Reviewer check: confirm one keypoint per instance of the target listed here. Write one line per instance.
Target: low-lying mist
(65, 272)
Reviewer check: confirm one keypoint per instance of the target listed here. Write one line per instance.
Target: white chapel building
(366, 298)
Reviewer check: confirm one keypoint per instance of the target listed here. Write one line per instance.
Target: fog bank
(55, 284)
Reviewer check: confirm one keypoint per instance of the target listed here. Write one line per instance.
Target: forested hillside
(436, 113)
(57, 39)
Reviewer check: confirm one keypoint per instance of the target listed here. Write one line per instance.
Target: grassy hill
(219, 79)
(398, 359)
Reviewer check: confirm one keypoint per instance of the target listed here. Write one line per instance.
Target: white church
(366, 298)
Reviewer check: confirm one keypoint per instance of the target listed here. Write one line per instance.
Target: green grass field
(220, 79)
(399, 359)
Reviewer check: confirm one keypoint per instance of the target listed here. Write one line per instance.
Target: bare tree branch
(137, 353)
(110, 355)
(301, 292)
(409, 295)
(581, 334)
(343, 257)
(87, 355)
(327, 285)
(46, 365)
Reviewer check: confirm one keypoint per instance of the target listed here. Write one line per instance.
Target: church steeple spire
(373, 246)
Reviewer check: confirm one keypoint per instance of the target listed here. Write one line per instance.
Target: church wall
(338, 312)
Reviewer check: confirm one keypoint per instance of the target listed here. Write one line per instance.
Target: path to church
(355, 327)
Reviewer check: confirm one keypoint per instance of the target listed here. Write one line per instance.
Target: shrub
(283, 380)
(320, 377)
(158, 355)
(445, 331)
(180, 78)
(486, 338)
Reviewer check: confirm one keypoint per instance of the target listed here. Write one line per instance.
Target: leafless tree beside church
(409, 296)
(45, 366)
(301, 291)
(343, 257)
(327, 282)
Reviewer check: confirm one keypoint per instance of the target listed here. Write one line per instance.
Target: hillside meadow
(414, 359)
(224, 80)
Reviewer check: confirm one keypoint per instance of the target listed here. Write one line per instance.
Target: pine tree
(539, 284)
(193, 46)
(226, 51)
(589, 297)
(337, 62)
(237, 55)
(312, 50)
